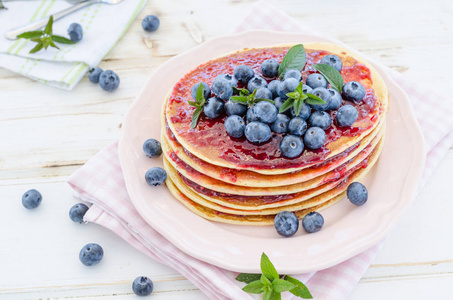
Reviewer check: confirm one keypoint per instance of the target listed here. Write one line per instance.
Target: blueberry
(235, 108)
(264, 93)
(291, 146)
(77, 212)
(75, 32)
(353, 91)
(306, 89)
(142, 286)
(251, 116)
(150, 23)
(314, 138)
(256, 83)
(333, 61)
(324, 94)
(213, 107)
(235, 126)
(257, 132)
(272, 86)
(293, 73)
(229, 78)
(316, 80)
(243, 73)
(266, 112)
(94, 74)
(335, 101)
(347, 115)
(206, 90)
(304, 113)
(278, 102)
(280, 125)
(109, 81)
(31, 199)
(297, 126)
(312, 222)
(269, 68)
(155, 176)
(91, 254)
(286, 223)
(287, 86)
(357, 193)
(152, 148)
(320, 119)
(222, 89)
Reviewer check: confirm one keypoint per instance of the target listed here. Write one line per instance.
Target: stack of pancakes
(234, 181)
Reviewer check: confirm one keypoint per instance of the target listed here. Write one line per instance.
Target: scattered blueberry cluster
(154, 176)
(108, 80)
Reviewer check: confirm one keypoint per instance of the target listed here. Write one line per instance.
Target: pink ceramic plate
(348, 230)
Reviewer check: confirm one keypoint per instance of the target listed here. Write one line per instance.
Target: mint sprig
(198, 103)
(249, 99)
(44, 38)
(332, 75)
(270, 284)
(1, 5)
(295, 58)
(297, 98)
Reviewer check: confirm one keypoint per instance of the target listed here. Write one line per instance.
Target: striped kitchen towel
(103, 25)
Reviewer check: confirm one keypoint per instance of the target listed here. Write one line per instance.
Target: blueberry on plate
(357, 193)
(31, 199)
(297, 126)
(229, 78)
(314, 138)
(243, 73)
(353, 91)
(155, 176)
(222, 89)
(266, 112)
(235, 108)
(109, 81)
(152, 148)
(333, 61)
(206, 90)
(324, 94)
(75, 32)
(77, 212)
(256, 83)
(320, 119)
(251, 116)
(287, 86)
(304, 113)
(91, 254)
(280, 125)
(150, 23)
(269, 68)
(291, 146)
(94, 74)
(312, 222)
(335, 100)
(257, 132)
(213, 107)
(346, 115)
(235, 126)
(263, 93)
(293, 73)
(286, 223)
(272, 86)
(142, 286)
(316, 80)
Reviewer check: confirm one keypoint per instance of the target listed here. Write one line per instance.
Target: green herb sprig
(297, 98)
(2, 6)
(295, 58)
(332, 75)
(44, 38)
(271, 284)
(246, 98)
(198, 104)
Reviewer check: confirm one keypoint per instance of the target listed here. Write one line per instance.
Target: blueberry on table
(213, 107)
(316, 80)
(206, 90)
(264, 93)
(152, 148)
(142, 286)
(257, 132)
(312, 222)
(150, 23)
(314, 138)
(353, 91)
(243, 73)
(229, 78)
(109, 81)
(155, 176)
(235, 126)
(325, 95)
(333, 61)
(31, 199)
(280, 125)
(347, 115)
(286, 223)
(91, 254)
(320, 119)
(269, 68)
(304, 113)
(235, 108)
(266, 112)
(75, 32)
(293, 73)
(297, 126)
(272, 86)
(287, 86)
(291, 146)
(222, 89)
(335, 100)
(94, 74)
(255, 83)
(77, 212)
(357, 193)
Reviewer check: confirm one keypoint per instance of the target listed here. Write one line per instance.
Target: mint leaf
(195, 117)
(62, 40)
(265, 281)
(294, 59)
(300, 290)
(281, 285)
(332, 75)
(312, 99)
(254, 287)
(268, 268)
(262, 99)
(52, 44)
(240, 99)
(241, 92)
(200, 93)
(49, 25)
(299, 88)
(37, 48)
(297, 107)
(247, 277)
(287, 105)
(269, 295)
(30, 35)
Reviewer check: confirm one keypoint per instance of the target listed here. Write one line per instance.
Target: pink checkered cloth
(100, 182)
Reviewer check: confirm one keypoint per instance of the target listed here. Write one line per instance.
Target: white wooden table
(46, 134)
